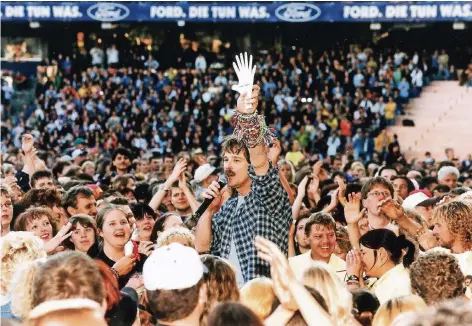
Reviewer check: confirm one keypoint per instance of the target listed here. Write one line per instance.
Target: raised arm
(188, 193)
(353, 214)
(179, 168)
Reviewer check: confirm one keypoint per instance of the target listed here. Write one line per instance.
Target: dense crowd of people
(314, 215)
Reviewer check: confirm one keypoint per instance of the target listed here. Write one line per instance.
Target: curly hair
(42, 197)
(458, 217)
(17, 248)
(437, 276)
(179, 234)
(221, 282)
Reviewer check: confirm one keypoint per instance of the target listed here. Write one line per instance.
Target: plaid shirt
(266, 212)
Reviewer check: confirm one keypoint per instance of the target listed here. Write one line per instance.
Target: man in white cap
(175, 289)
(423, 205)
(79, 156)
(204, 176)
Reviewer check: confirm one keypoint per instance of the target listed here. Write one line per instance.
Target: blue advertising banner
(293, 12)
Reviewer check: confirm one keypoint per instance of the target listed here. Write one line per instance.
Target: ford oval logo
(298, 12)
(108, 12)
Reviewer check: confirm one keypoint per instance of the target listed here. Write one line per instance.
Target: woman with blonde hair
(16, 248)
(258, 295)
(221, 283)
(390, 309)
(336, 295)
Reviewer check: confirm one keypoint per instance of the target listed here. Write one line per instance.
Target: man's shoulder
(300, 259)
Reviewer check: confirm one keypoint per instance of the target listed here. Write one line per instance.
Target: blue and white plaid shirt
(266, 212)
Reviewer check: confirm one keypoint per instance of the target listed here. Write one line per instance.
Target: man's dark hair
(39, 175)
(442, 188)
(173, 305)
(445, 163)
(123, 151)
(121, 201)
(59, 167)
(42, 197)
(232, 145)
(409, 184)
(71, 196)
(110, 193)
(86, 177)
(374, 182)
(140, 210)
(426, 181)
(320, 218)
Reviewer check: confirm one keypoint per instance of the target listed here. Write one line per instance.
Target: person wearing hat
(199, 157)
(175, 288)
(422, 204)
(79, 155)
(203, 177)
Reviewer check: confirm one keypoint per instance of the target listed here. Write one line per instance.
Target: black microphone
(191, 222)
(222, 181)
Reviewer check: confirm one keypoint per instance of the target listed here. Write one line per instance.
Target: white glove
(245, 75)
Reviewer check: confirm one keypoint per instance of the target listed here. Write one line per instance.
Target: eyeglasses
(6, 205)
(378, 193)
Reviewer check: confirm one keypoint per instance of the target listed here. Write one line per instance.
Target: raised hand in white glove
(245, 72)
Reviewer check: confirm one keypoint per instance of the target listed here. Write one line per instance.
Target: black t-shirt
(123, 280)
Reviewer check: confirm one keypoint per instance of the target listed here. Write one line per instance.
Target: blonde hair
(17, 248)
(458, 217)
(6, 190)
(22, 283)
(336, 295)
(258, 295)
(180, 234)
(390, 309)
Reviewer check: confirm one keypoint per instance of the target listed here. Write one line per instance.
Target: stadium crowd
(326, 224)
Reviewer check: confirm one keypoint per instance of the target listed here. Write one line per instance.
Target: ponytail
(404, 243)
(384, 238)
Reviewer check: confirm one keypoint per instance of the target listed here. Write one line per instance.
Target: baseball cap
(414, 200)
(78, 152)
(172, 267)
(203, 172)
(197, 152)
(79, 141)
(65, 158)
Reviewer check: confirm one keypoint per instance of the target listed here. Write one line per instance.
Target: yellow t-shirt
(294, 157)
(390, 111)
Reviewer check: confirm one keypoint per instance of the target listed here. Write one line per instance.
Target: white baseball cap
(172, 267)
(203, 172)
(78, 152)
(412, 201)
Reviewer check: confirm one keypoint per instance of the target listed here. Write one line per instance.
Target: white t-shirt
(233, 254)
